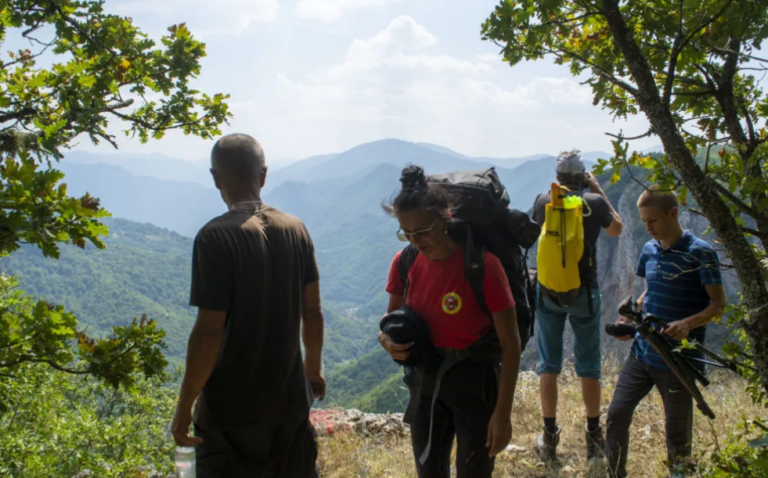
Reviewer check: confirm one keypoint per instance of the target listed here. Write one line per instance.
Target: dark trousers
(463, 410)
(284, 450)
(635, 381)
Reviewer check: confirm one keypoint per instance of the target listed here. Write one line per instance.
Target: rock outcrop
(330, 421)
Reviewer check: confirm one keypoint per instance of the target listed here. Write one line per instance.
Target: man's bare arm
(614, 230)
(680, 329)
(312, 330)
(202, 352)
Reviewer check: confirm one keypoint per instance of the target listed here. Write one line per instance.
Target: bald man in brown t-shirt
(255, 282)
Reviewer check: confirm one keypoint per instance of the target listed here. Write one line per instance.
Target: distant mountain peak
(444, 150)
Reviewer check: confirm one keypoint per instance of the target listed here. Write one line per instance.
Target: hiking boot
(595, 443)
(546, 445)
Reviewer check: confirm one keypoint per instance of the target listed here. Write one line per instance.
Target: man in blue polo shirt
(683, 289)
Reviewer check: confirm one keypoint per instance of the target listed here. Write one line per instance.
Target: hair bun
(413, 178)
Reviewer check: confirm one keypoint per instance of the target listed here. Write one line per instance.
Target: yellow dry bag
(561, 246)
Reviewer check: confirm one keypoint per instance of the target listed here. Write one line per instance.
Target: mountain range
(338, 196)
(160, 203)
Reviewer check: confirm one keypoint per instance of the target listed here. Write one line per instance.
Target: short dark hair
(417, 194)
(662, 199)
(570, 170)
(238, 155)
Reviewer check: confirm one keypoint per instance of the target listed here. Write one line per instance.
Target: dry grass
(352, 456)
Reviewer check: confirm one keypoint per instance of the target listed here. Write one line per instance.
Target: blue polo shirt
(675, 279)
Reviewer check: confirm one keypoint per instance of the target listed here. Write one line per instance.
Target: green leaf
(86, 81)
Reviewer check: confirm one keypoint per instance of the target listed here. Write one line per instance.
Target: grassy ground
(351, 456)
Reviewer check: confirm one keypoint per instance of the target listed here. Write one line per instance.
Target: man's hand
(592, 183)
(678, 330)
(499, 433)
(624, 320)
(182, 420)
(317, 382)
(397, 351)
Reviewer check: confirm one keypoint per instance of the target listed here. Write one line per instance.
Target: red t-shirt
(441, 294)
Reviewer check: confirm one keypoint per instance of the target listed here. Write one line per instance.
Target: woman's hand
(499, 433)
(399, 352)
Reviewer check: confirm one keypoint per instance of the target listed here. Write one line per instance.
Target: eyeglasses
(408, 236)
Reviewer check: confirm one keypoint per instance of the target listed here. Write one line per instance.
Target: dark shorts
(284, 450)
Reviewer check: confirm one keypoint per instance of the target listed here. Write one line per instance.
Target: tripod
(682, 366)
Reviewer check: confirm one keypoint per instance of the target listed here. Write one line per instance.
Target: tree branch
(76, 26)
(750, 125)
(155, 127)
(679, 44)
(569, 20)
(707, 76)
(694, 93)
(747, 230)
(726, 51)
(741, 205)
(51, 363)
(17, 115)
(625, 138)
(688, 80)
(704, 25)
(25, 58)
(674, 53)
(600, 70)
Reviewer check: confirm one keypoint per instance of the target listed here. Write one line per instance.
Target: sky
(311, 77)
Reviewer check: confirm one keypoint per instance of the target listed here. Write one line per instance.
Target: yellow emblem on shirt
(451, 303)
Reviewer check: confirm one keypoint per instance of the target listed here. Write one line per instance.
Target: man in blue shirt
(684, 289)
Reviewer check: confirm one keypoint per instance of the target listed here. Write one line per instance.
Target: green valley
(146, 268)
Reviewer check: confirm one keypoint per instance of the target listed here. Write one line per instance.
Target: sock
(550, 424)
(593, 423)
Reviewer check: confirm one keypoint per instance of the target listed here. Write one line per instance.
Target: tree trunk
(747, 266)
(746, 145)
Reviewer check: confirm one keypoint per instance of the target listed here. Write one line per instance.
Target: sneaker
(546, 445)
(595, 443)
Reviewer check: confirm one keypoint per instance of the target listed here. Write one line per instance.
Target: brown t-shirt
(254, 264)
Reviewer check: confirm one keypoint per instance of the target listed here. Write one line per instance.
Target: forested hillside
(143, 270)
(146, 269)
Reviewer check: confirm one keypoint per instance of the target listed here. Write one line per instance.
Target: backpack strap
(530, 290)
(486, 351)
(404, 265)
(474, 269)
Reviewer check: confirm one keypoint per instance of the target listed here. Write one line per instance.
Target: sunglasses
(408, 236)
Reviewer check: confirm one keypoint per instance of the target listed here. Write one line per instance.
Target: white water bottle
(185, 462)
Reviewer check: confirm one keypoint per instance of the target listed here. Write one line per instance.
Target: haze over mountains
(179, 194)
(337, 195)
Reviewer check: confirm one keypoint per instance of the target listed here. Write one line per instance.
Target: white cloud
(399, 46)
(398, 83)
(229, 17)
(394, 74)
(490, 57)
(332, 10)
(440, 84)
(560, 91)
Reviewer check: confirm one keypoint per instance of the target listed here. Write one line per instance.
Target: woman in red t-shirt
(470, 405)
